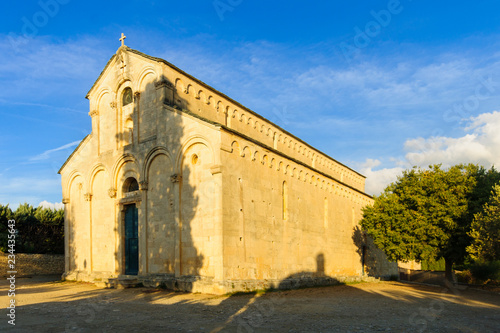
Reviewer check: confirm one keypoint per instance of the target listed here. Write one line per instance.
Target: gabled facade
(180, 185)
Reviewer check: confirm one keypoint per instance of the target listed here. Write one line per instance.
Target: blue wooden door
(131, 240)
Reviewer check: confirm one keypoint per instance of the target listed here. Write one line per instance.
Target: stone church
(182, 186)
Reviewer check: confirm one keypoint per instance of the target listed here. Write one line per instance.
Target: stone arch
(196, 139)
(210, 101)
(106, 121)
(235, 147)
(247, 152)
(121, 85)
(102, 219)
(71, 178)
(150, 157)
(146, 112)
(142, 76)
(93, 171)
(124, 113)
(130, 185)
(199, 203)
(160, 212)
(179, 85)
(99, 95)
(265, 160)
(219, 106)
(120, 89)
(200, 95)
(78, 250)
(124, 167)
(256, 156)
(285, 194)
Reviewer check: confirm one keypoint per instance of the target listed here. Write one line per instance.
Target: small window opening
(130, 185)
(127, 96)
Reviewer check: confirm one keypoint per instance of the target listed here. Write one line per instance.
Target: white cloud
(377, 180)
(46, 154)
(481, 145)
(51, 205)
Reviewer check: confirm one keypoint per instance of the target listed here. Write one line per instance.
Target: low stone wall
(33, 264)
(429, 277)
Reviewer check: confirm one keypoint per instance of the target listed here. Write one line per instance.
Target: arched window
(127, 96)
(326, 213)
(130, 185)
(285, 201)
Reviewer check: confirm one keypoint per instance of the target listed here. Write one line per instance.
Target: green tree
(50, 237)
(26, 226)
(485, 230)
(5, 216)
(421, 215)
(39, 230)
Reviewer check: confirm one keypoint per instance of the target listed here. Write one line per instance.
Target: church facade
(180, 185)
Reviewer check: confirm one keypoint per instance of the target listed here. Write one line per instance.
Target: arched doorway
(131, 231)
(131, 240)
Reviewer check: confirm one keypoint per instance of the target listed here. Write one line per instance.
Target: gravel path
(45, 306)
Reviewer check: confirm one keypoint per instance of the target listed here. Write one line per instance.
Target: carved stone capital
(65, 201)
(137, 96)
(216, 169)
(88, 196)
(143, 186)
(94, 113)
(112, 192)
(112, 105)
(175, 178)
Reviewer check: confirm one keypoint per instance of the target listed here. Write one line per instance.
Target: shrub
(433, 265)
(39, 230)
(483, 271)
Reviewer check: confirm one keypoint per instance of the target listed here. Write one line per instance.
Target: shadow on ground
(366, 307)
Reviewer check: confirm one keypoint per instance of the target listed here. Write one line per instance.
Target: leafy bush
(483, 271)
(39, 230)
(433, 265)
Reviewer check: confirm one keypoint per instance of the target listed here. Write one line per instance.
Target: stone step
(123, 282)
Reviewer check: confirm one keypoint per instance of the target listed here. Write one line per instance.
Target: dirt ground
(45, 305)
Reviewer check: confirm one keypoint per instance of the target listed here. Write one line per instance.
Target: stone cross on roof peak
(122, 39)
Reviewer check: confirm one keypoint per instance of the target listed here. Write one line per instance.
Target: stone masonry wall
(34, 264)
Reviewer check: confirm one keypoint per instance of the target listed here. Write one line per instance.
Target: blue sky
(378, 85)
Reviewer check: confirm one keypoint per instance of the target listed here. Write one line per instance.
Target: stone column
(67, 235)
(143, 229)
(176, 180)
